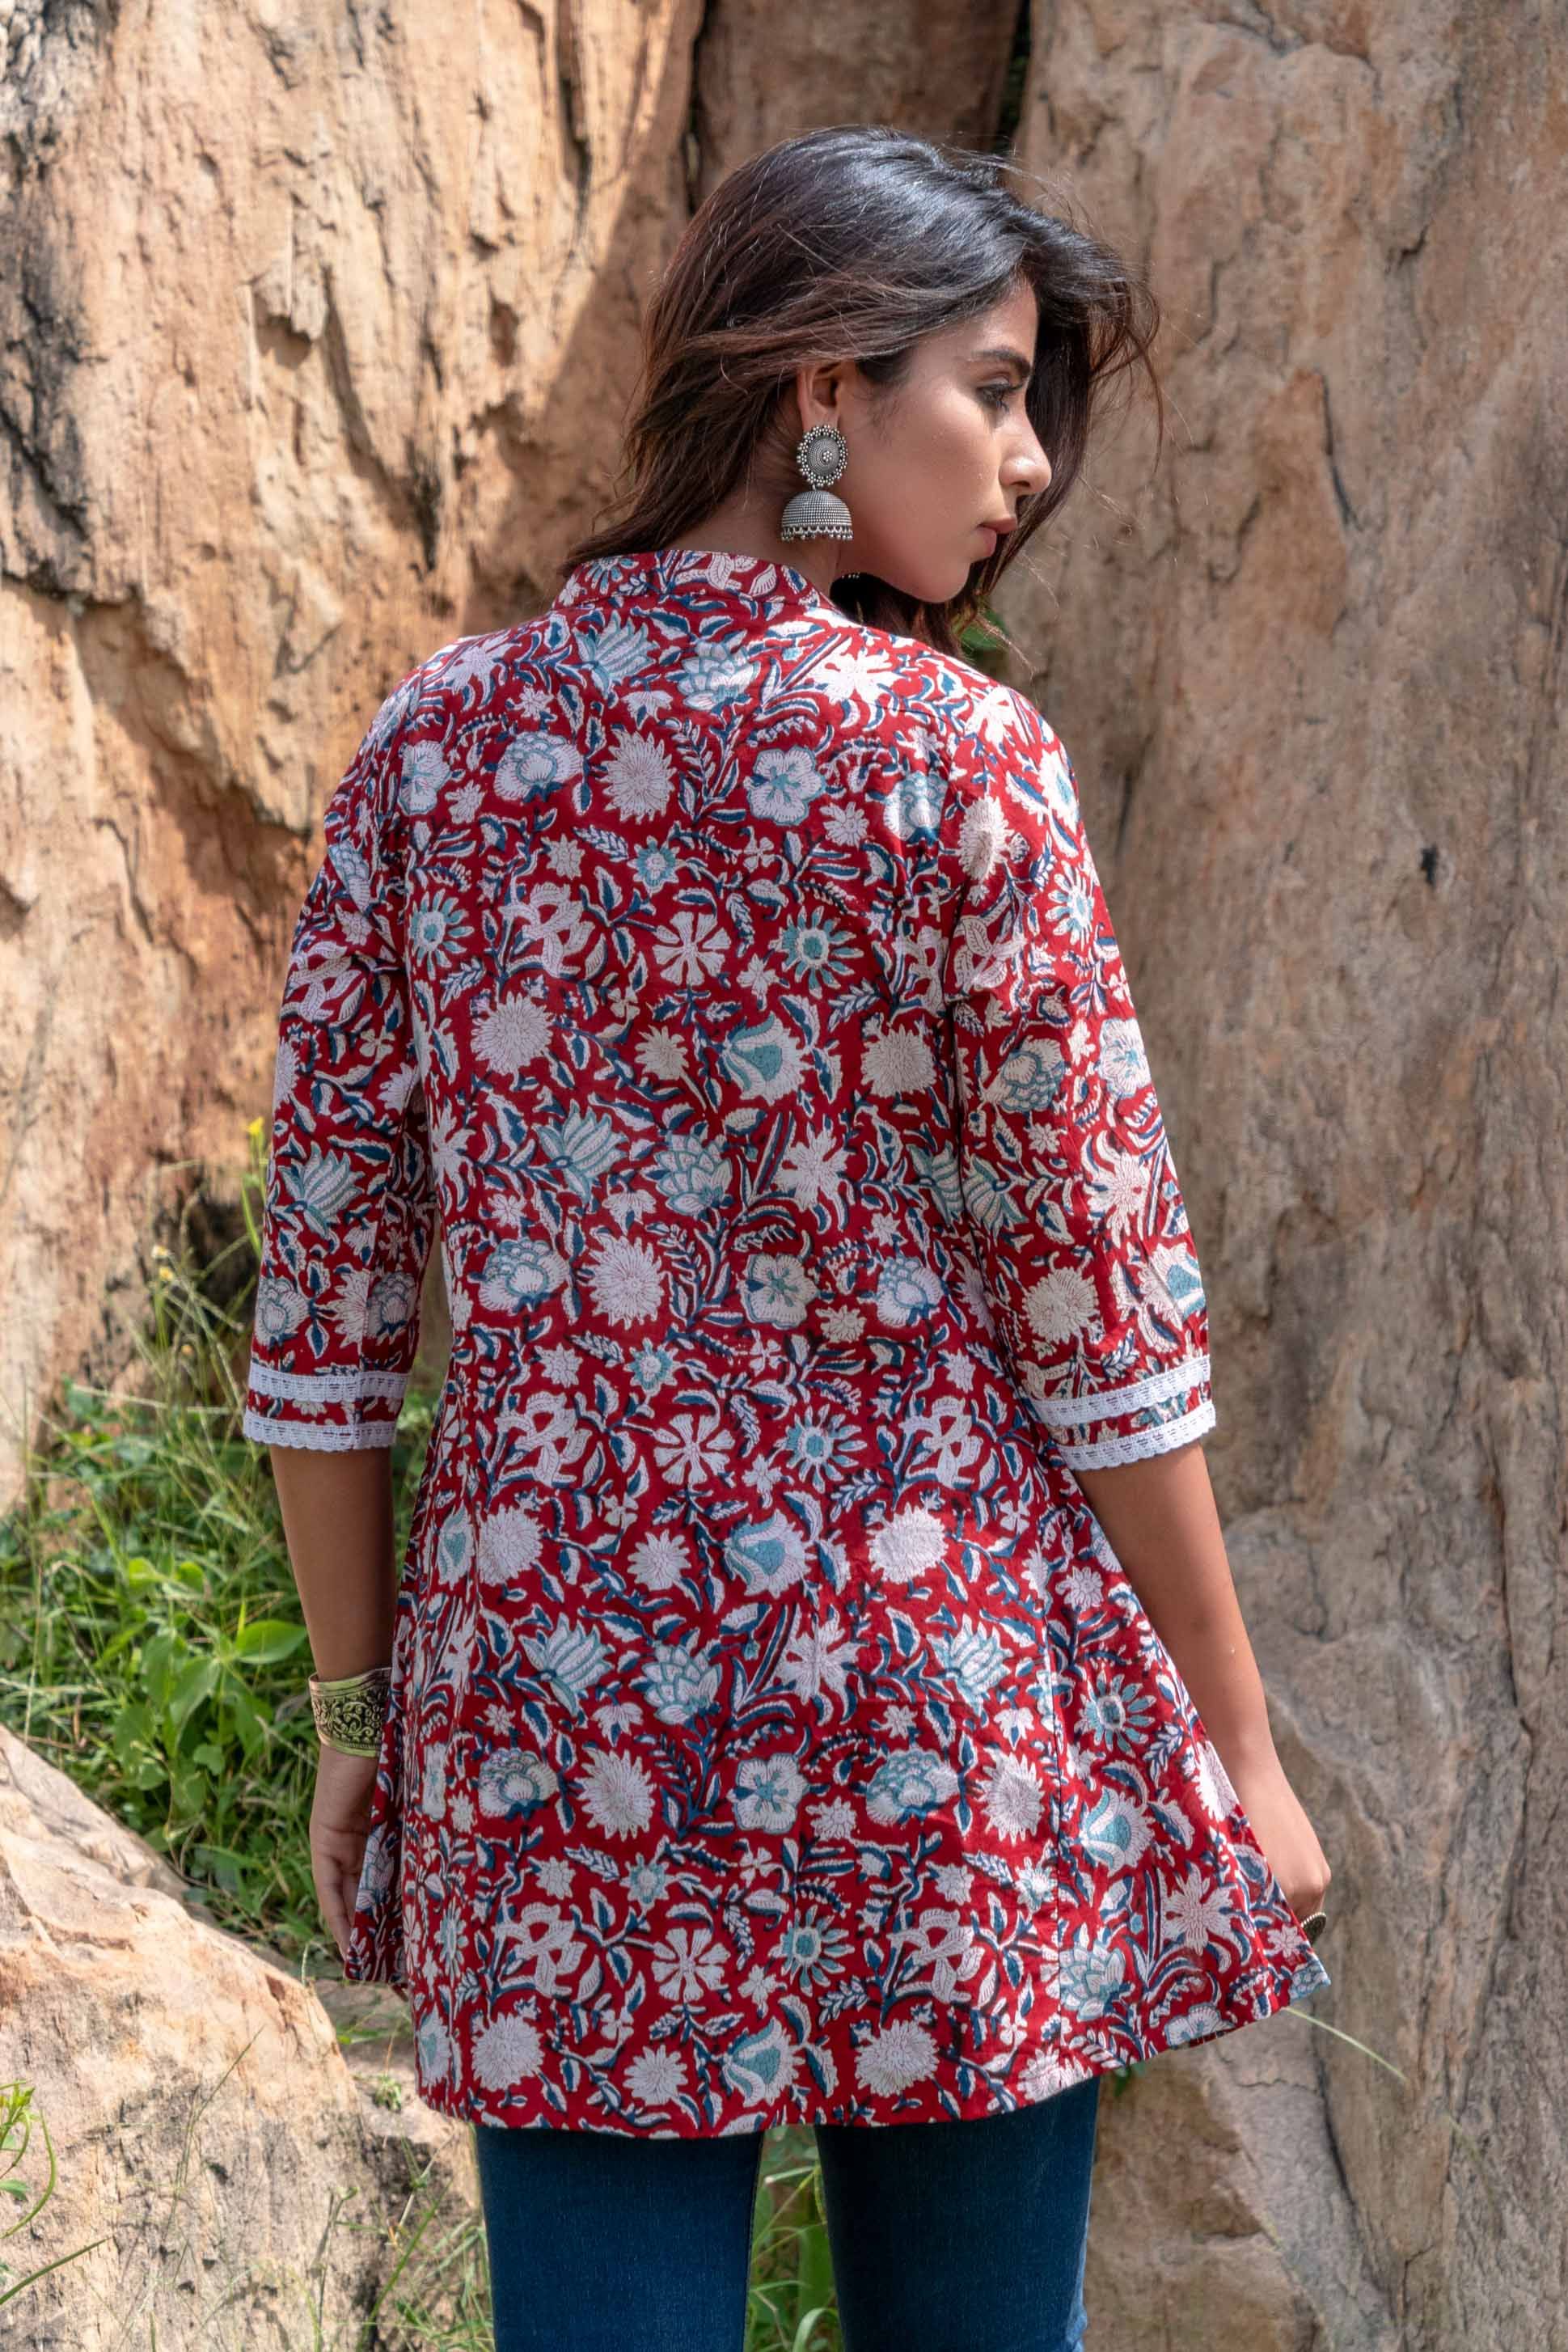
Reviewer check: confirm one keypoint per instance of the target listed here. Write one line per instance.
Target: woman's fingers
(339, 1827)
(335, 1886)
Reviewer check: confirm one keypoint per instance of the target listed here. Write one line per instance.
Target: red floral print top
(773, 1736)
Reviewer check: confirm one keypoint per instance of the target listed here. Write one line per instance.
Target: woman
(816, 1692)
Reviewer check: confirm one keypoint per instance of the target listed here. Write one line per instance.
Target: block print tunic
(773, 1736)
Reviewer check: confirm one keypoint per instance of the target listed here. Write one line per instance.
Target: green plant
(151, 1641)
(790, 2306)
(17, 2115)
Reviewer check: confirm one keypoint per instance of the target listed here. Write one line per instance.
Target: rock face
(1314, 694)
(315, 341)
(1219, 2221)
(236, 2174)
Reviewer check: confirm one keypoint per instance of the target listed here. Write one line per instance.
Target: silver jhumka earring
(821, 453)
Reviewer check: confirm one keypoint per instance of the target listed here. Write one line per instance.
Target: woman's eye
(997, 396)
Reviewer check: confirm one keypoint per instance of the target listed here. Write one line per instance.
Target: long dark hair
(854, 241)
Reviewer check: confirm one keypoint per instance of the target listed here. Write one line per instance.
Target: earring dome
(822, 454)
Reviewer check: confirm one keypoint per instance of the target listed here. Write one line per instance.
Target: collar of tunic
(764, 590)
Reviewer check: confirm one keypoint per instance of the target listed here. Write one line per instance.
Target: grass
(152, 1647)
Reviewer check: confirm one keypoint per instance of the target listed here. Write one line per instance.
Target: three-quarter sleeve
(1070, 1200)
(349, 1208)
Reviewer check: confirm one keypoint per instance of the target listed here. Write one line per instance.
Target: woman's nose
(1029, 469)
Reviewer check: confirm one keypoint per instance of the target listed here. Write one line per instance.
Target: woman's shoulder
(389, 777)
(454, 669)
(949, 696)
(1006, 771)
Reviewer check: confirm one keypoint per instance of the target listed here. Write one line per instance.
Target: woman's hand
(1288, 1839)
(1160, 1520)
(339, 1825)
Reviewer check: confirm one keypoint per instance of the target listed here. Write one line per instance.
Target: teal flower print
(691, 1174)
(938, 1172)
(646, 1883)
(376, 1869)
(908, 1290)
(1030, 1079)
(679, 1682)
(759, 2064)
(1203, 2019)
(533, 766)
(1036, 1884)
(390, 1308)
(1092, 1977)
(911, 1782)
(513, 1782)
(1123, 1064)
(651, 1366)
(279, 1307)
(764, 1061)
(1116, 1715)
(711, 679)
(1116, 1832)
(613, 653)
(913, 806)
(776, 1290)
(767, 1792)
(454, 1550)
(518, 1272)
(584, 1146)
(423, 774)
(1054, 783)
(1072, 910)
(432, 2046)
(767, 1556)
(975, 1659)
(813, 1949)
(353, 870)
(816, 953)
(1178, 1272)
(438, 931)
(988, 1197)
(572, 1657)
(656, 867)
(321, 1186)
(821, 1446)
(783, 786)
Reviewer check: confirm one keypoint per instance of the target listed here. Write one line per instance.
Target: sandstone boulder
(232, 2179)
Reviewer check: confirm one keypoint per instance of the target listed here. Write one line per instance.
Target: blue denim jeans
(945, 2236)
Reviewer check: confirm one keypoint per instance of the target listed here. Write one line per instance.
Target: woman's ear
(820, 393)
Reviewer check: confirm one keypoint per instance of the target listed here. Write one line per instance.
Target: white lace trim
(320, 1437)
(326, 1388)
(1162, 1437)
(1106, 1404)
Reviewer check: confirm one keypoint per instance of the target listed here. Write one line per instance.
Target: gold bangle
(350, 1711)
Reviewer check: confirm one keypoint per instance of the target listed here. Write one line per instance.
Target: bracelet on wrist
(350, 1711)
